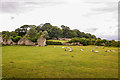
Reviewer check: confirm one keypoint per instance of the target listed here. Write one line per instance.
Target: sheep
(96, 51)
(92, 50)
(107, 51)
(82, 49)
(103, 47)
(112, 50)
(70, 50)
(54, 46)
(63, 47)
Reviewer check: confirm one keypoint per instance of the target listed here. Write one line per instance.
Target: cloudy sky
(98, 17)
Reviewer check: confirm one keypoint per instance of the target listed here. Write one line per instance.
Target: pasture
(50, 62)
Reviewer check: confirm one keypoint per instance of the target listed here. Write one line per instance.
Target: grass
(50, 62)
(58, 40)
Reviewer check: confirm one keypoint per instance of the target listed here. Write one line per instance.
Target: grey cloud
(24, 6)
(12, 18)
(91, 29)
(110, 7)
(109, 37)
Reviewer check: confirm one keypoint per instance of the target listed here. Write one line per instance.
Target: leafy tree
(55, 32)
(32, 33)
(6, 34)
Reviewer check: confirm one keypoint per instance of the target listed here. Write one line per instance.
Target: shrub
(53, 43)
(16, 39)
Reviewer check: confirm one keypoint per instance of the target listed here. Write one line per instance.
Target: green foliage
(53, 43)
(6, 34)
(55, 32)
(83, 41)
(16, 39)
(32, 33)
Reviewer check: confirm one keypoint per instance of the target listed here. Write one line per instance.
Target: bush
(83, 41)
(16, 39)
(53, 43)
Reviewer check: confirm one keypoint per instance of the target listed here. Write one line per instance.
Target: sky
(98, 17)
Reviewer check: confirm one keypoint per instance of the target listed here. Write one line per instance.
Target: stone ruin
(10, 42)
(41, 41)
(25, 41)
(6, 42)
(1, 40)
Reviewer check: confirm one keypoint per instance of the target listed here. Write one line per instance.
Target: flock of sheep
(71, 49)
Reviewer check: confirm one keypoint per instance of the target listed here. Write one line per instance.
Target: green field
(50, 62)
(58, 40)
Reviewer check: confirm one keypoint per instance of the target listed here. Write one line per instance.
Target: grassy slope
(49, 62)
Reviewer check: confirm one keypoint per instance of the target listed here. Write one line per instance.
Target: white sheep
(92, 50)
(70, 50)
(112, 50)
(63, 47)
(82, 49)
(96, 51)
(107, 51)
(54, 46)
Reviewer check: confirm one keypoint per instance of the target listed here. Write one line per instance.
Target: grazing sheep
(112, 50)
(82, 49)
(54, 46)
(92, 50)
(107, 51)
(70, 50)
(96, 47)
(96, 51)
(103, 47)
(63, 47)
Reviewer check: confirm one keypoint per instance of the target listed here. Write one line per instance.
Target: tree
(6, 34)
(66, 31)
(55, 32)
(32, 33)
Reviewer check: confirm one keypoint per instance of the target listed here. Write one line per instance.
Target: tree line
(97, 42)
(32, 31)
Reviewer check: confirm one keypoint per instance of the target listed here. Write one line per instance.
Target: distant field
(50, 62)
(58, 40)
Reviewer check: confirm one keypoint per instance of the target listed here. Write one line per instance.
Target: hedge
(53, 43)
